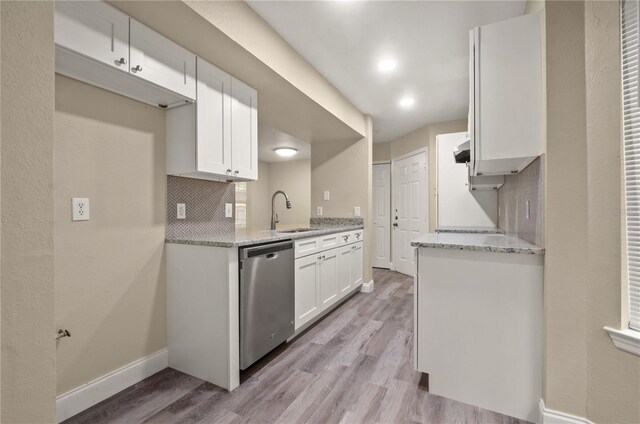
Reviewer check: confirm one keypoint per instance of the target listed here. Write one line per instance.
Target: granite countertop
(477, 242)
(249, 237)
(469, 230)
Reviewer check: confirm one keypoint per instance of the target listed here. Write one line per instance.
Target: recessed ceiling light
(407, 102)
(286, 151)
(387, 65)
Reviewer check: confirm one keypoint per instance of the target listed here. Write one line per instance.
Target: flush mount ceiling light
(387, 65)
(407, 102)
(286, 151)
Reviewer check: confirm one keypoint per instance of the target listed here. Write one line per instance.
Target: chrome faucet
(274, 216)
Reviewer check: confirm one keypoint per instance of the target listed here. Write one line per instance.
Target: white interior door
(381, 251)
(409, 209)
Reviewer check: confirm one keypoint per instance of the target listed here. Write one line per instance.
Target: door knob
(395, 224)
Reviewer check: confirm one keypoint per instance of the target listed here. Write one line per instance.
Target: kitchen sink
(294, 230)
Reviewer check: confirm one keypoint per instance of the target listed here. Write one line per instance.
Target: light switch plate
(319, 211)
(327, 195)
(356, 210)
(181, 211)
(80, 209)
(228, 210)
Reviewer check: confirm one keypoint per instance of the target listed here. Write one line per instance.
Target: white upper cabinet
(217, 137)
(94, 29)
(98, 44)
(159, 60)
(244, 130)
(213, 120)
(505, 112)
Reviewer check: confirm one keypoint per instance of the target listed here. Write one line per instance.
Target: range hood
(462, 153)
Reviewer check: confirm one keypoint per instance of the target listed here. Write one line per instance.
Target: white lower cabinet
(357, 264)
(324, 278)
(328, 278)
(345, 283)
(306, 286)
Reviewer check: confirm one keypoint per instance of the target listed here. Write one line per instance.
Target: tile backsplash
(512, 201)
(205, 203)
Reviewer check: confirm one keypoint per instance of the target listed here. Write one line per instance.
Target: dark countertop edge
(268, 237)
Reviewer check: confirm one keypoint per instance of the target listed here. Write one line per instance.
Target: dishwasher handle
(265, 249)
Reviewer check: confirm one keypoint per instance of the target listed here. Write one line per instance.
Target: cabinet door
(244, 130)
(213, 119)
(344, 270)
(159, 60)
(94, 29)
(356, 264)
(307, 304)
(328, 278)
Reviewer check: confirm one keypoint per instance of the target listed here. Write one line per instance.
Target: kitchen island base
(478, 327)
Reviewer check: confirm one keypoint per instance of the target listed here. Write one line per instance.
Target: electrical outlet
(181, 211)
(527, 209)
(80, 209)
(319, 211)
(327, 195)
(356, 210)
(228, 210)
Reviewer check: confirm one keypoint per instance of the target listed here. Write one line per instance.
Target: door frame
(424, 150)
(390, 262)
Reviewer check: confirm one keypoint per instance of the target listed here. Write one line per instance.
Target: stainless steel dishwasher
(266, 299)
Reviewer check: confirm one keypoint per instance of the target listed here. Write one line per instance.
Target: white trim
(408, 155)
(626, 339)
(549, 416)
(367, 287)
(391, 268)
(381, 162)
(77, 400)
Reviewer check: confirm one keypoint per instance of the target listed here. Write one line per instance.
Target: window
(630, 31)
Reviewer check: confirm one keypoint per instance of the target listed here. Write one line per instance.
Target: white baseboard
(367, 287)
(549, 416)
(77, 400)
(391, 267)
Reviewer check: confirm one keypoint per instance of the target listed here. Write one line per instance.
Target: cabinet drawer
(330, 241)
(306, 247)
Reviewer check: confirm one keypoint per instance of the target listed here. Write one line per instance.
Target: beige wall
(259, 199)
(292, 177)
(109, 271)
(344, 169)
(26, 236)
(381, 151)
(421, 138)
(585, 374)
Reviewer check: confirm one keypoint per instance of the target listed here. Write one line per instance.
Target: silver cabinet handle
(123, 61)
(138, 68)
(236, 172)
(357, 235)
(345, 238)
(228, 171)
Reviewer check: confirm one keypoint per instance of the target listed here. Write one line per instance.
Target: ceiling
(270, 138)
(345, 40)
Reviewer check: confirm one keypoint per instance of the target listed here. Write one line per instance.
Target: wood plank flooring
(354, 366)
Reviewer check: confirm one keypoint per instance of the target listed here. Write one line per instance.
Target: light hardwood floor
(354, 366)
